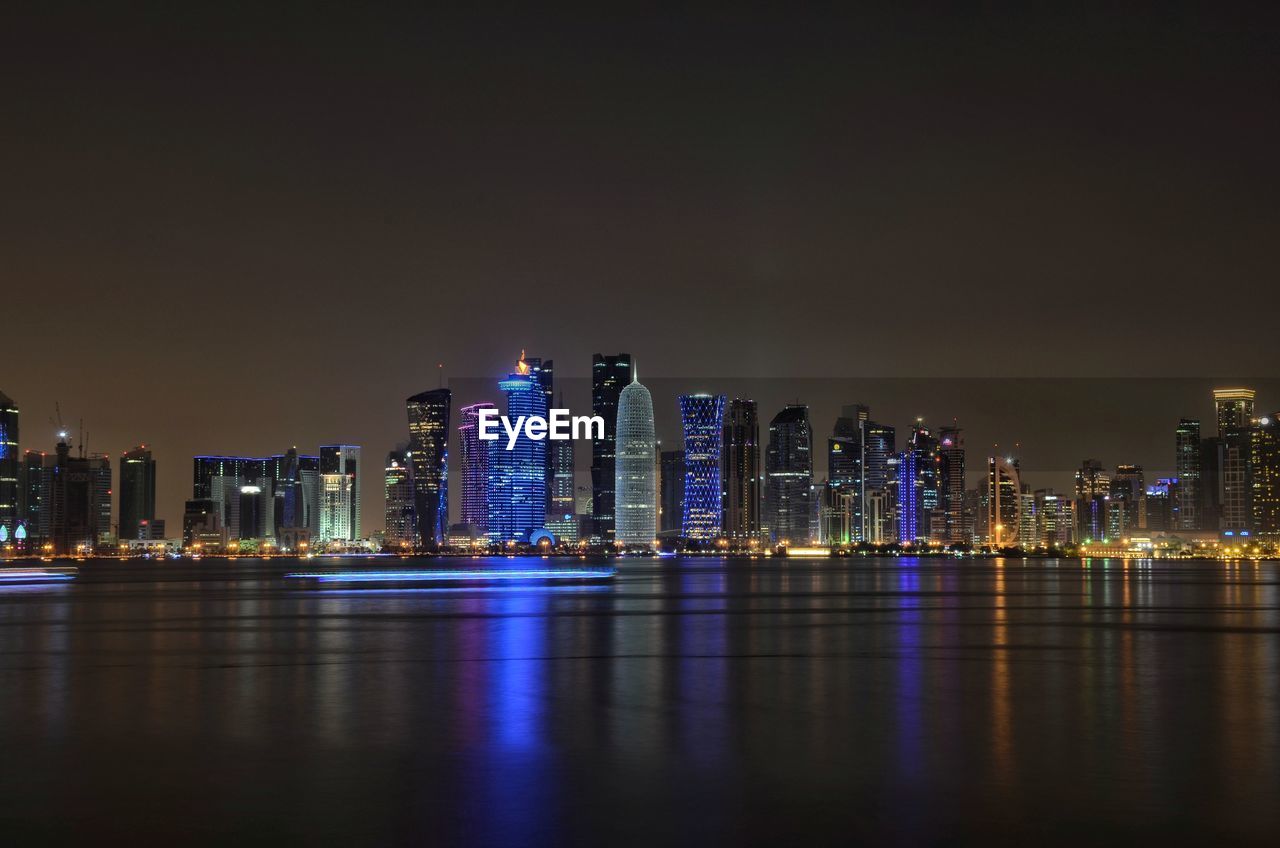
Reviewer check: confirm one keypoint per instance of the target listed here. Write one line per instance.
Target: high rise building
(951, 484)
(702, 421)
(1055, 519)
(1211, 457)
(880, 464)
(789, 476)
(137, 493)
(918, 486)
(1234, 408)
(1093, 490)
(340, 461)
(309, 481)
(10, 463)
(1185, 498)
(285, 471)
(517, 493)
(1004, 501)
(1265, 464)
(1160, 500)
(475, 468)
(671, 500)
(337, 508)
(741, 476)
(429, 454)
(1129, 498)
(636, 499)
(544, 374)
(400, 530)
(609, 375)
(68, 499)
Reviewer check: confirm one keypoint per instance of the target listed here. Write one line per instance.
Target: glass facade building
(702, 420)
(789, 477)
(609, 375)
(340, 461)
(400, 531)
(517, 489)
(741, 521)
(475, 468)
(429, 455)
(137, 493)
(636, 484)
(10, 463)
(1186, 495)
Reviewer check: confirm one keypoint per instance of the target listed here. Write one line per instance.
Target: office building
(671, 499)
(1003, 501)
(137, 493)
(1265, 477)
(741, 476)
(10, 466)
(702, 421)
(517, 492)
(429, 454)
(789, 477)
(609, 375)
(951, 485)
(400, 530)
(635, 489)
(1186, 498)
(340, 461)
(474, 455)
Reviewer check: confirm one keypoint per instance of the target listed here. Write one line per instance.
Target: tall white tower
(635, 476)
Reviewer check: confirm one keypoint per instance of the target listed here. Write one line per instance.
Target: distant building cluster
(722, 488)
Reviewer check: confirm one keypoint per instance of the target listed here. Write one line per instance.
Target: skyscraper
(789, 476)
(1093, 489)
(335, 495)
(9, 466)
(400, 532)
(429, 455)
(517, 477)
(702, 420)
(1129, 496)
(137, 493)
(1235, 422)
(1186, 495)
(951, 484)
(544, 374)
(1004, 502)
(475, 468)
(918, 486)
(741, 479)
(879, 462)
(636, 503)
(609, 375)
(671, 502)
(1265, 463)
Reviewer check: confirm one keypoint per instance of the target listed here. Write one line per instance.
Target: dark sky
(236, 230)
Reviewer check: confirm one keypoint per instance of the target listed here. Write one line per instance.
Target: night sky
(236, 231)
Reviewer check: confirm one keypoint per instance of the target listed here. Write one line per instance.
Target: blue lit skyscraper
(475, 468)
(517, 477)
(702, 418)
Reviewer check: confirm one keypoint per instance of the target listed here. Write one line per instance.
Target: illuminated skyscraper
(636, 519)
(340, 461)
(879, 460)
(741, 479)
(951, 484)
(789, 476)
(400, 531)
(1093, 489)
(137, 493)
(1004, 502)
(1235, 422)
(475, 468)
(429, 455)
(1265, 463)
(609, 374)
(702, 420)
(544, 374)
(517, 477)
(9, 466)
(1186, 495)
(1129, 497)
(918, 485)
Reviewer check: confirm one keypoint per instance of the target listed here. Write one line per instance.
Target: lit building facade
(399, 530)
(671, 498)
(636, 484)
(789, 477)
(429, 454)
(1185, 499)
(1265, 462)
(951, 485)
(702, 421)
(741, 477)
(1004, 501)
(517, 491)
(609, 375)
(10, 465)
(343, 461)
(475, 468)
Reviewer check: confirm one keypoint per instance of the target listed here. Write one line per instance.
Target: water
(771, 702)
